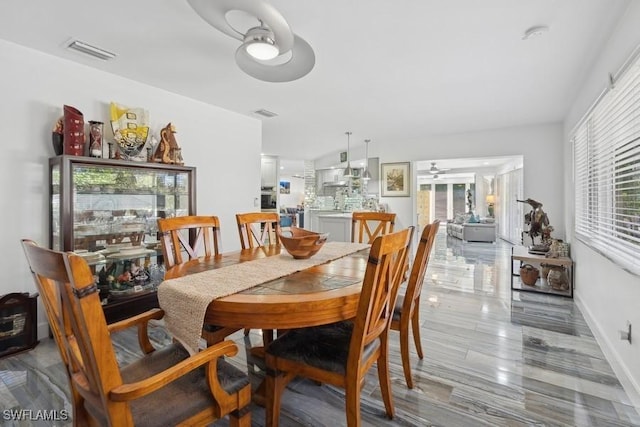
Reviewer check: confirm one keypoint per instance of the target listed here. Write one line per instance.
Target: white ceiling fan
(436, 171)
(270, 50)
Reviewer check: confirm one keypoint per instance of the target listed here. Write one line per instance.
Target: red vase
(73, 131)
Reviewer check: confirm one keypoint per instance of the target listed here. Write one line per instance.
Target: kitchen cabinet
(373, 185)
(106, 211)
(269, 172)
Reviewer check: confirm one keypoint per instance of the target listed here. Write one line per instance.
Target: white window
(606, 147)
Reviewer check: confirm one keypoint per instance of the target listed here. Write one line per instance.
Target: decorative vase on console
(73, 130)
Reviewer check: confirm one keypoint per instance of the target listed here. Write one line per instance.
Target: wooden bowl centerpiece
(301, 243)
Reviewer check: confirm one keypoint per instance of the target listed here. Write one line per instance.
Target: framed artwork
(285, 187)
(394, 179)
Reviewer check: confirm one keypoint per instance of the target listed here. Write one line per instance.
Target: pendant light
(348, 172)
(366, 175)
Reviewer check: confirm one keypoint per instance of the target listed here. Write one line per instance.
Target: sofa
(467, 231)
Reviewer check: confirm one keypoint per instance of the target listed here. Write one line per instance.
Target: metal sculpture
(538, 222)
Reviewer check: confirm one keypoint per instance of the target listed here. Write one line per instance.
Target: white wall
(540, 146)
(607, 295)
(34, 87)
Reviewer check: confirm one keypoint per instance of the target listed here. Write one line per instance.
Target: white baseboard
(631, 387)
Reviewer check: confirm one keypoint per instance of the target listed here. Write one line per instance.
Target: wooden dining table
(319, 295)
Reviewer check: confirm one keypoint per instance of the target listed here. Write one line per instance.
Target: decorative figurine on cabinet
(168, 150)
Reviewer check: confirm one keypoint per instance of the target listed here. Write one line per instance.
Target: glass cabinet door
(121, 206)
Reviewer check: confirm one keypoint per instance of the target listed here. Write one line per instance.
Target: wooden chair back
(408, 306)
(385, 268)
(98, 392)
(189, 237)
(366, 226)
(420, 262)
(258, 229)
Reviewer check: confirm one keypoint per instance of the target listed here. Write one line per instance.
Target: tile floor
(492, 358)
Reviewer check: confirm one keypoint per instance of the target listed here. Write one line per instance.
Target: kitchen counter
(312, 217)
(338, 225)
(336, 215)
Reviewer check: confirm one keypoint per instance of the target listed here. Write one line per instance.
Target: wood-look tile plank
(492, 358)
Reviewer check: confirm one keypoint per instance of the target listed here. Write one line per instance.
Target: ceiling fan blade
(436, 170)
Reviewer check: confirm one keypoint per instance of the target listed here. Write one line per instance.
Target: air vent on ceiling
(88, 49)
(265, 113)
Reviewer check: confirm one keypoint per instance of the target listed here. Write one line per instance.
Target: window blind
(606, 147)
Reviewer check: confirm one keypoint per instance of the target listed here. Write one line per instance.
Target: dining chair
(258, 229)
(185, 238)
(366, 226)
(406, 312)
(342, 353)
(189, 237)
(163, 387)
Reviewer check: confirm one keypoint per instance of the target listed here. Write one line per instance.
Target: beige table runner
(185, 299)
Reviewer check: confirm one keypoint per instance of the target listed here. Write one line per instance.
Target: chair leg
(404, 352)
(415, 325)
(240, 418)
(385, 381)
(352, 401)
(246, 331)
(80, 415)
(267, 337)
(275, 383)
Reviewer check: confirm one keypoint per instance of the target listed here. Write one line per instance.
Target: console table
(522, 255)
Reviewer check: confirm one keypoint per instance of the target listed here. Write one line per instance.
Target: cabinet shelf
(107, 191)
(106, 210)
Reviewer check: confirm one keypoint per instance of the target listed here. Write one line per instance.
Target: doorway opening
(486, 188)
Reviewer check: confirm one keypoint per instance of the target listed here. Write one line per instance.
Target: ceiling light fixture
(534, 32)
(348, 172)
(366, 175)
(435, 170)
(259, 43)
(271, 51)
(87, 49)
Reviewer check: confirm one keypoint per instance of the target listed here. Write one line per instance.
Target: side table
(521, 254)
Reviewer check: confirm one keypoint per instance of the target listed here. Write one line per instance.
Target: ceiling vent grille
(90, 50)
(265, 113)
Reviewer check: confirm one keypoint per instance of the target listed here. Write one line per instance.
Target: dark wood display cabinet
(106, 211)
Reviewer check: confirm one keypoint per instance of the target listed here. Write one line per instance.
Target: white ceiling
(385, 70)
